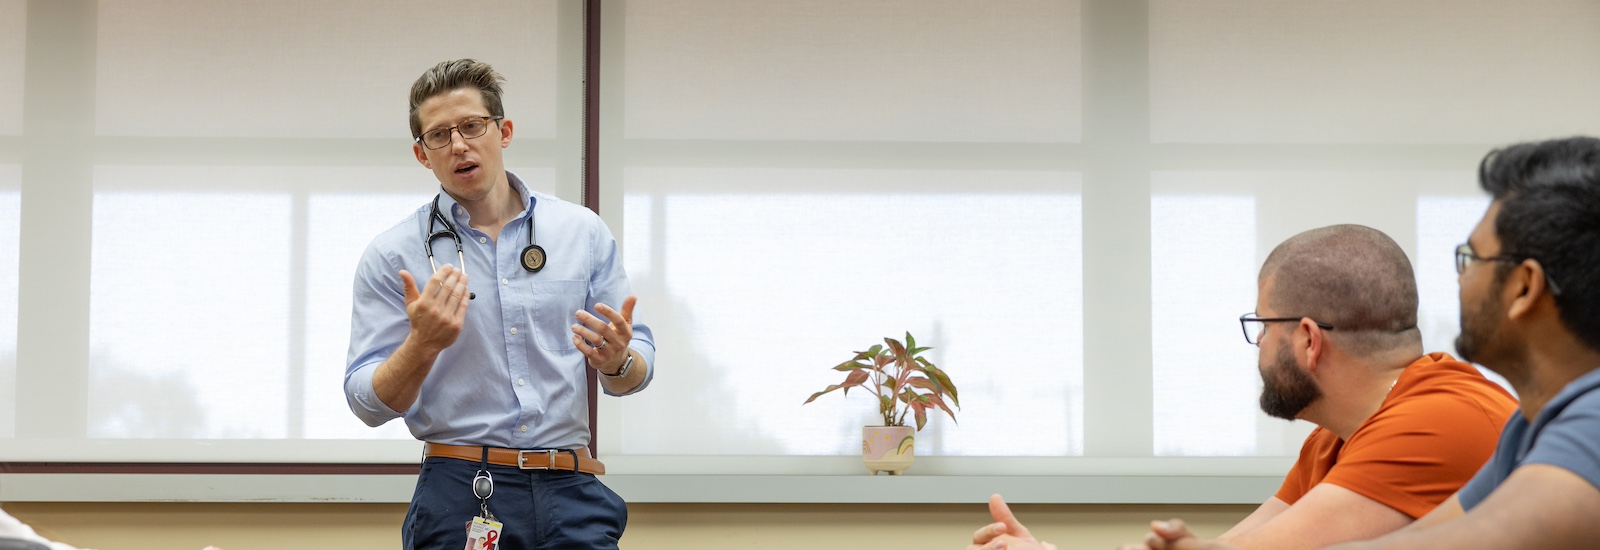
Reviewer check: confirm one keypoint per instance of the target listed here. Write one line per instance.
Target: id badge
(483, 535)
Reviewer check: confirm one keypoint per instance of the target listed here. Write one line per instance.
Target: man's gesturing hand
(438, 310)
(1006, 532)
(604, 341)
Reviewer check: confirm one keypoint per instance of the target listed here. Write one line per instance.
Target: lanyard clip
(483, 485)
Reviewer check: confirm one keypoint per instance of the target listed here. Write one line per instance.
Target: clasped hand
(1006, 533)
(1173, 534)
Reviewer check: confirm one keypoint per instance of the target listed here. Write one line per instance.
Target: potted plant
(906, 385)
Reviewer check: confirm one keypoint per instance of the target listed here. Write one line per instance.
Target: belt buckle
(550, 455)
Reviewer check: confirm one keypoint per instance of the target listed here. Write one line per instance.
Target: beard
(1285, 389)
(1478, 327)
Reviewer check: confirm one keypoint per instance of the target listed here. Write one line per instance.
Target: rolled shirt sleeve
(378, 324)
(609, 285)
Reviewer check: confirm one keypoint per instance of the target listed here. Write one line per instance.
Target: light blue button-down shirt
(513, 377)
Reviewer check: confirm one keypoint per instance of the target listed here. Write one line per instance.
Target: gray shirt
(1565, 435)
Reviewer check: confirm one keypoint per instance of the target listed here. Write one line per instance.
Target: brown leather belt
(527, 460)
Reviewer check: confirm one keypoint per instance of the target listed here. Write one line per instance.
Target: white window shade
(755, 295)
(309, 68)
(165, 361)
(779, 212)
(268, 366)
(751, 152)
(1203, 257)
(236, 158)
(843, 70)
(1206, 252)
(231, 163)
(1373, 71)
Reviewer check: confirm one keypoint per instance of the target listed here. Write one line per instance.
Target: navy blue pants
(541, 509)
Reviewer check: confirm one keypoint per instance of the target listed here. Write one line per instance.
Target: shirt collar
(458, 216)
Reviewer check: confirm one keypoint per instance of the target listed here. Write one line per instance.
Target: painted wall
(270, 526)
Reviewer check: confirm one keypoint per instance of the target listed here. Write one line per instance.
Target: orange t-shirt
(1438, 426)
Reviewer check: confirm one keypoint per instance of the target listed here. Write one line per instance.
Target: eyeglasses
(470, 127)
(1260, 325)
(1465, 257)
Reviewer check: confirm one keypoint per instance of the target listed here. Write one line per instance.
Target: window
(759, 293)
(241, 158)
(779, 212)
(1203, 258)
(1068, 202)
(165, 362)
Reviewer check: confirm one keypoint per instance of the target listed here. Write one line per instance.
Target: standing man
(490, 370)
(1397, 432)
(1530, 310)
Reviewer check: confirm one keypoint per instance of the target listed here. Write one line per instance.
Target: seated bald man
(1398, 431)
(1530, 310)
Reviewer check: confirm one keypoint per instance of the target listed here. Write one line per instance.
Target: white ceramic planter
(888, 449)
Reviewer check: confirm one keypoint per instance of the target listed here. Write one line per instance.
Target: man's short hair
(1352, 277)
(1549, 194)
(451, 75)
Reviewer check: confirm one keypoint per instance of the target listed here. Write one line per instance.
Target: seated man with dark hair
(1398, 431)
(1530, 310)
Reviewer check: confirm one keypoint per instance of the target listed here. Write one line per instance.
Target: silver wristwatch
(622, 371)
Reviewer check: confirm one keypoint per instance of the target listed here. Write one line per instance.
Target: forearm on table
(1264, 513)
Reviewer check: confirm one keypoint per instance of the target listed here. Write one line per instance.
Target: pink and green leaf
(897, 374)
(851, 365)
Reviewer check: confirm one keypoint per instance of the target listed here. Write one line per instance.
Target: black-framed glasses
(470, 127)
(1254, 326)
(1465, 257)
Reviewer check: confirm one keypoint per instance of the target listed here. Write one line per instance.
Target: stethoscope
(533, 257)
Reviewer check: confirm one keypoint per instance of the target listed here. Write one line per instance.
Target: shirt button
(459, 211)
(513, 330)
(521, 382)
(524, 428)
(505, 281)
(482, 240)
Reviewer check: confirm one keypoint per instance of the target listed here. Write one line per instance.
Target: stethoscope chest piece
(533, 258)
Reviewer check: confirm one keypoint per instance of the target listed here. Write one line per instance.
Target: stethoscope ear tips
(472, 295)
